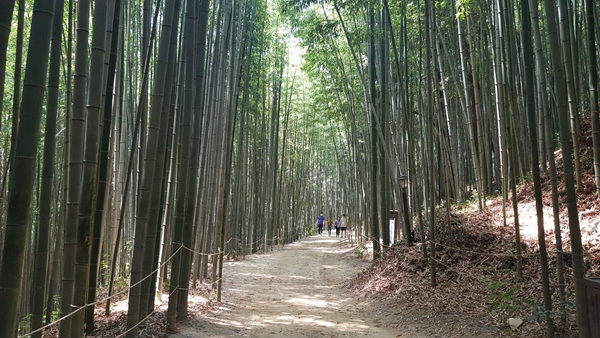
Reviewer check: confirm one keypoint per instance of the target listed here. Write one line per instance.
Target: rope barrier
(202, 253)
(485, 253)
(373, 238)
(216, 280)
(99, 302)
(525, 255)
(148, 316)
(250, 245)
(80, 308)
(260, 240)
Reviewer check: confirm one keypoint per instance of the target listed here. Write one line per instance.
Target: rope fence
(527, 255)
(243, 245)
(76, 308)
(479, 253)
(148, 316)
(99, 302)
(202, 253)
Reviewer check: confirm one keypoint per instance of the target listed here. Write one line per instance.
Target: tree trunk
(373, 140)
(90, 158)
(134, 317)
(43, 235)
(183, 168)
(531, 114)
(565, 32)
(22, 179)
(567, 148)
(75, 181)
(429, 13)
(6, 14)
(99, 220)
(593, 83)
(549, 142)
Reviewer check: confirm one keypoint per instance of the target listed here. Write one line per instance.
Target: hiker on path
(343, 226)
(336, 224)
(329, 223)
(320, 221)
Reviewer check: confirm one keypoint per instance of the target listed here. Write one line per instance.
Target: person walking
(320, 221)
(336, 224)
(329, 224)
(343, 226)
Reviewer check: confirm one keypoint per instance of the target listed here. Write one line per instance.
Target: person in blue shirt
(320, 221)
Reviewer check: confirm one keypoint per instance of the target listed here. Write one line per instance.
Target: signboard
(392, 232)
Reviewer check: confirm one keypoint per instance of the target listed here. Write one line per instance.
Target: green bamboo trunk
(21, 182)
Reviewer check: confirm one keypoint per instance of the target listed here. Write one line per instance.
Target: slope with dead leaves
(476, 259)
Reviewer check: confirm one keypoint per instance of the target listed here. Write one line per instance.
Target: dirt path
(298, 292)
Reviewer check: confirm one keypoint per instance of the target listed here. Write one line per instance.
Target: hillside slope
(476, 263)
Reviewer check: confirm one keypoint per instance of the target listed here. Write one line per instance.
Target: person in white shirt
(343, 226)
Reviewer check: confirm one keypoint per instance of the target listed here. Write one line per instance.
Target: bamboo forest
(174, 168)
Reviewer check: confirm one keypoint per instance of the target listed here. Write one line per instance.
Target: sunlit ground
(295, 300)
(528, 221)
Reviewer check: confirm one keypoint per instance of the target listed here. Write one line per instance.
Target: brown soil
(476, 261)
(302, 291)
(319, 287)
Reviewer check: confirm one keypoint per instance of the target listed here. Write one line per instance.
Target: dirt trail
(298, 292)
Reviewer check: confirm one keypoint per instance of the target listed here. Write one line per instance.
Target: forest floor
(302, 291)
(320, 287)
(476, 262)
